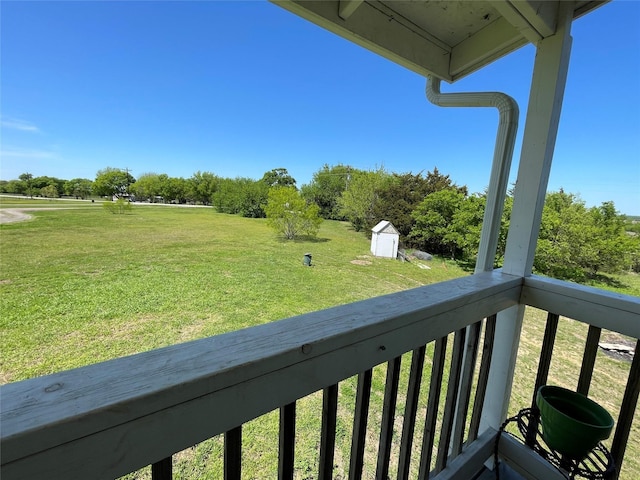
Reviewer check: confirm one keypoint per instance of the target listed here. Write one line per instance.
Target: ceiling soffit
(445, 38)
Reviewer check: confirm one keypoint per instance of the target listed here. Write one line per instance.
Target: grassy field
(81, 285)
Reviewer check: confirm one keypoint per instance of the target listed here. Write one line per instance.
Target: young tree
(290, 215)
(120, 206)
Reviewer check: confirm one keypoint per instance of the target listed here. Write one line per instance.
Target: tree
(436, 182)
(278, 177)
(357, 203)
(325, 188)
(290, 215)
(403, 194)
(120, 206)
(50, 191)
(577, 243)
(434, 219)
(174, 190)
(26, 179)
(38, 183)
(78, 187)
(112, 182)
(253, 199)
(148, 186)
(202, 187)
(16, 187)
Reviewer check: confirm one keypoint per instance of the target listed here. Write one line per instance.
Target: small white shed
(384, 240)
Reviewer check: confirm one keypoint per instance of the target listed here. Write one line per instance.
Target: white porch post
(543, 114)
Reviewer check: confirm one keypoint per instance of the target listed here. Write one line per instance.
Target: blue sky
(239, 88)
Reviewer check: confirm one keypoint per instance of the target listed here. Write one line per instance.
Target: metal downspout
(496, 193)
(502, 155)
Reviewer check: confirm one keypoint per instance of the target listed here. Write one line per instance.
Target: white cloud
(26, 153)
(17, 124)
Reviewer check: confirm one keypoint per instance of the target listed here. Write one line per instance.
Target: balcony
(440, 359)
(113, 418)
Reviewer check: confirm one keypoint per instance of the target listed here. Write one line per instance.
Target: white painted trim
(510, 13)
(543, 114)
(525, 461)
(471, 460)
(608, 310)
(540, 14)
(541, 129)
(534, 19)
(492, 42)
(419, 51)
(347, 7)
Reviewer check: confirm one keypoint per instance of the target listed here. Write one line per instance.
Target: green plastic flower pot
(572, 424)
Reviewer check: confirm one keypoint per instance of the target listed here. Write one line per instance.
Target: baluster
(388, 417)
(162, 470)
(466, 383)
(233, 454)
(543, 371)
(360, 416)
(287, 441)
(627, 411)
(435, 386)
(589, 359)
(450, 403)
(410, 412)
(483, 376)
(328, 435)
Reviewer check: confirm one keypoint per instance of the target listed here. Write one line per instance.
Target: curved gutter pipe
(502, 155)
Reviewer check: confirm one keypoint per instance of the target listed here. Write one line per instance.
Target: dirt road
(13, 215)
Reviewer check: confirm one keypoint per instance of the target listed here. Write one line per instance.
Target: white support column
(543, 114)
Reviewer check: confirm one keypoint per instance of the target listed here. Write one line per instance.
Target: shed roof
(385, 226)
(445, 38)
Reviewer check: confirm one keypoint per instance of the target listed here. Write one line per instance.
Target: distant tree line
(429, 210)
(48, 187)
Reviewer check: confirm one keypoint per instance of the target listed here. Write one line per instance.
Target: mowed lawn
(81, 285)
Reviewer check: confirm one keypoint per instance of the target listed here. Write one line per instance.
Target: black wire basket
(525, 427)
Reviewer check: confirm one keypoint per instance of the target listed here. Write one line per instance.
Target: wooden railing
(599, 310)
(113, 418)
(109, 419)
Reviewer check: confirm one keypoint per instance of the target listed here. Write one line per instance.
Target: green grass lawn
(79, 286)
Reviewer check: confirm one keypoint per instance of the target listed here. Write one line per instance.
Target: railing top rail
(608, 310)
(254, 370)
